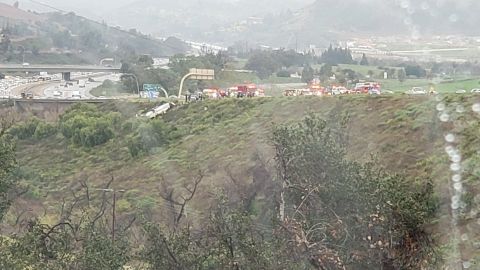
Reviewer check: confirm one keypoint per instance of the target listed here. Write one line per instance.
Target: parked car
(461, 91)
(336, 91)
(76, 94)
(475, 91)
(416, 91)
(374, 91)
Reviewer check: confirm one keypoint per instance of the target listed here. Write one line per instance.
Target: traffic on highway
(51, 86)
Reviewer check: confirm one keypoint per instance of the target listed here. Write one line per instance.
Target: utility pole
(296, 43)
(113, 215)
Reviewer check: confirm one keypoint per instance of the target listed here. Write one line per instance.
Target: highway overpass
(66, 70)
(47, 108)
(56, 68)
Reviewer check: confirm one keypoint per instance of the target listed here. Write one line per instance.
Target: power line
(46, 5)
(110, 27)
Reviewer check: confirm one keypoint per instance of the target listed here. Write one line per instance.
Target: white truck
(162, 109)
(76, 94)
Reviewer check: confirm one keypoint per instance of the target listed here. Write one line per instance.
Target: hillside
(327, 20)
(229, 143)
(8, 12)
(197, 20)
(319, 23)
(282, 24)
(71, 39)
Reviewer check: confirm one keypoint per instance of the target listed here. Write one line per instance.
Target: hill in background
(327, 20)
(281, 24)
(68, 38)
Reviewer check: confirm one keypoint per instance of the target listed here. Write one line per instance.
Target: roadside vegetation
(111, 89)
(369, 216)
(307, 186)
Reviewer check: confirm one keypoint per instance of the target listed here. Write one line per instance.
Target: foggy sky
(101, 9)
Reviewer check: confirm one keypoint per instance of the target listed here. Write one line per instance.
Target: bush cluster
(33, 128)
(150, 135)
(87, 126)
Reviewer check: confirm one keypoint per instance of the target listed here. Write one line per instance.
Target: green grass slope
(229, 142)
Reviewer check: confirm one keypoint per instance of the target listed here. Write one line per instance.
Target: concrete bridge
(49, 109)
(66, 70)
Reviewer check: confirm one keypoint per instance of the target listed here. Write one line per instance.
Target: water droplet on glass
(464, 237)
(451, 151)
(476, 107)
(438, 98)
(456, 158)
(456, 199)
(450, 138)
(444, 117)
(460, 109)
(407, 21)
(441, 107)
(466, 264)
(455, 205)
(455, 167)
(457, 178)
(458, 187)
(405, 4)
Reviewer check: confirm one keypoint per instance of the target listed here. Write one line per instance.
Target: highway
(58, 91)
(55, 89)
(55, 68)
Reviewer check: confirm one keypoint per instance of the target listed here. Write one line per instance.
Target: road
(433, 50)
(58, 91)
(55, 68)
(54, 90)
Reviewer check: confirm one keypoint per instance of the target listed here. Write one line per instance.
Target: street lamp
(113, 206)
(136, 80)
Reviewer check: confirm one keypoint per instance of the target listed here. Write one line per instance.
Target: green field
(442, 87)
(363, 69)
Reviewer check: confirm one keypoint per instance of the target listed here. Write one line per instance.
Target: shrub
(26, 129)
(86, 126)
(33, 128)
(149, 135)
(44, 130)
(146, 203)
(283, 74)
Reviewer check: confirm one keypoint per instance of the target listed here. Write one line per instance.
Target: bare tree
(179, 203)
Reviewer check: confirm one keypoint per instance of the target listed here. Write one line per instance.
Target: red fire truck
(249, 90)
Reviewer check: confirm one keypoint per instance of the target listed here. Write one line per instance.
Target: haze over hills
(328, 20)
(188, 18)
(55, 37)
(286, 23)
